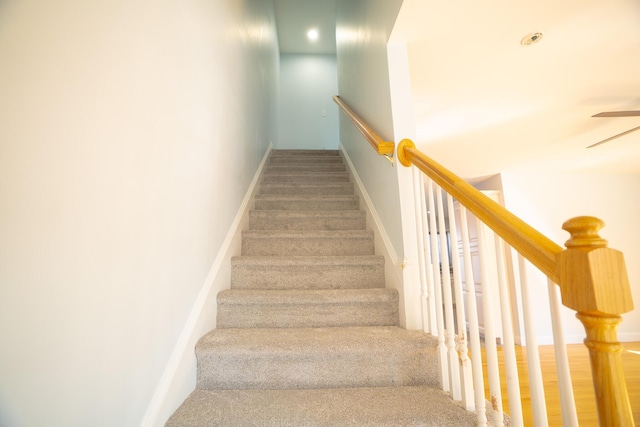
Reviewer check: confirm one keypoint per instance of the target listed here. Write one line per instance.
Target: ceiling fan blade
(618, 114)
(613, 137)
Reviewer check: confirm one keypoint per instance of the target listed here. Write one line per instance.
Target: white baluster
(420, 218)
(433, 323)
(474, 330)
(466, 374)
(509, 352)
(536, 387)
(489, 332)
(454, 366)
(442, 349)
(567, 402)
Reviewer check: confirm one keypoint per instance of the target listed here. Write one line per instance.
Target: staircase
(308, 334)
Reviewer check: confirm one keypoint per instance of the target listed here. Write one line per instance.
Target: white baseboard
(579, 339)
(629, 336)
(179, 377)
(393, 265)
(371, 210)
(568, 339)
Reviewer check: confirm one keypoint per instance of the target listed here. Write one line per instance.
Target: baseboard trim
(579, 339)
(394, 266)
(629, 336)
(372, 210)
(161, 406)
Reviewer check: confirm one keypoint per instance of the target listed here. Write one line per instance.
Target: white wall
(130, 132)
(547, 200)
(362, 31)
(308, 117)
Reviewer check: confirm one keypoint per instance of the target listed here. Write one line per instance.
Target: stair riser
(304, 159)
(328, 246)
(307, 153)
(383, 313)
(317, 368)
(304, 205)
(307, 167)
(309, 189)
(297, 177)
(245, 275)
(283, 222)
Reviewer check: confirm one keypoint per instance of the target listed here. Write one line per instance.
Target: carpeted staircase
(308, 335)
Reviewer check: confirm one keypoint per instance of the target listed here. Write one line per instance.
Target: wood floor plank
(581, 380)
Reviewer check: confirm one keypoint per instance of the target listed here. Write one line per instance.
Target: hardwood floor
(581, 379)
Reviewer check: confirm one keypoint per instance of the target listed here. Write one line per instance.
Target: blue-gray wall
(363, 30)
(308, 117)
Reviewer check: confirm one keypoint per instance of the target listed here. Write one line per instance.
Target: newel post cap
(592, 276)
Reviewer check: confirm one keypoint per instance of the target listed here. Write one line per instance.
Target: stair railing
(382, 147)
(591, 278)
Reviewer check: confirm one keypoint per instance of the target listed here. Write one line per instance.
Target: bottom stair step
(376, 406)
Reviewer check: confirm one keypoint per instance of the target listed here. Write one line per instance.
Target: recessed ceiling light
(312, 34)
(530, 39)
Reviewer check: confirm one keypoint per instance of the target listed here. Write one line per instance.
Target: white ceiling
(295, 17)
(478, 92)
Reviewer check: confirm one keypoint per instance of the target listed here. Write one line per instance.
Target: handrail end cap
(402, 157)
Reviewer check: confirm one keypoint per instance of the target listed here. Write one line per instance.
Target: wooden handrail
(532, 244)
(592, 278)
(382, 147)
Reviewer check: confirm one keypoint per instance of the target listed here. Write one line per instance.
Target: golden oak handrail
(532, 244)
(382, 147)
(592, 278)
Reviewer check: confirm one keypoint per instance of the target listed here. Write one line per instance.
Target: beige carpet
(308, 335)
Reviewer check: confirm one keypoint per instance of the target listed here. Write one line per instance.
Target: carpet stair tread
(304, 159)
(307, 202)
(304, 308)
(307, 242)
(307, 188)
(300, 177)
(305, 167)
(307, 220)
(333, 357)
(300, 152)
(304, 297)
(373, 406)
(307, 272)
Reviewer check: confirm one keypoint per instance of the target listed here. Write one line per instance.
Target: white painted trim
(394, 266)
(579, 339)
(628, 336)
(569, 339)
(370, 208)
(160, 407)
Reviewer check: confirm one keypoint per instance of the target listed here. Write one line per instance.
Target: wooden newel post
(593, 281)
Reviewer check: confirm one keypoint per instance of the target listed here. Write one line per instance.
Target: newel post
(593, 281)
